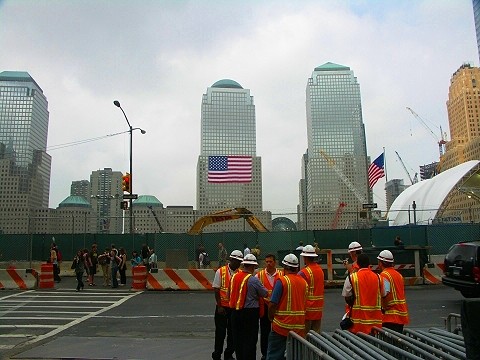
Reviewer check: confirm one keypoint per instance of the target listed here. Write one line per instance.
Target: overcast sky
(158, 58)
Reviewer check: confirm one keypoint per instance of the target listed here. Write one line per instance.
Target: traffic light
(126, 184)
(124, 205)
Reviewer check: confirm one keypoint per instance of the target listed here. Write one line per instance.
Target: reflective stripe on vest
(238, 289)
(263, 277)
(395, 305)
(367, 309)
(315, 281)
(224, 285)
(290, 313)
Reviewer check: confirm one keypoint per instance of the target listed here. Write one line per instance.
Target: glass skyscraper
(24, 164)
(334, 169)
(228, 129)
(476, 18)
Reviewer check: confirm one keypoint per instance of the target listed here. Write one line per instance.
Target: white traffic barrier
(23, 279)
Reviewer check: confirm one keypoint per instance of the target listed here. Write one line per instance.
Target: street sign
(130, 196)
(370, 206)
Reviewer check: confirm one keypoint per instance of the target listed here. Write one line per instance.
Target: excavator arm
(225, 215)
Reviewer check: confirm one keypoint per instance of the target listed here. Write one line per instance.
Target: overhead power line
(80, 142)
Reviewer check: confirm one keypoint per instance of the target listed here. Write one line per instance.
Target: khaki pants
(106, 275)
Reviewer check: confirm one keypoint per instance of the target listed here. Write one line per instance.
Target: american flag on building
(375, 170)
(229, 169)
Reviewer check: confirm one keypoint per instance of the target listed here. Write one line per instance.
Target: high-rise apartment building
(106, 196)
(80, 188)
(393, 188)
(334, 169)
(24, 164)
(229, 173)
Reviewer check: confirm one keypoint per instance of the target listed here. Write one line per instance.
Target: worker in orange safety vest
(287, 308)
(313, 274)
(394, 304)
(363, 290)
(223, 312)
(267, 277)
(354, 249)
(245, 292)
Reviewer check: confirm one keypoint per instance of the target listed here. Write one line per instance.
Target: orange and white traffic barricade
(139, 277)
(45, 279)
(433, 271)
(21, 279)
(180, 279)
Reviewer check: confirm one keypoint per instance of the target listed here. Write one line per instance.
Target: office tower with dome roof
(24, 164)
(334, 182)
(229, 172)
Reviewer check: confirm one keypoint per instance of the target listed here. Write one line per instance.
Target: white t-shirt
(217, 282)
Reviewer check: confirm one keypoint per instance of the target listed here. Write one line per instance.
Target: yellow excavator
(224, 215)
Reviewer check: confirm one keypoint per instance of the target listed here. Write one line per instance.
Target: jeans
(123, 275)
(223, 328)
(277, 345)
(265, 328)
(114, 276)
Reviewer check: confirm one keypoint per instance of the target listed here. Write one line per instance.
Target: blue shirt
(277, 292)
(255, 290)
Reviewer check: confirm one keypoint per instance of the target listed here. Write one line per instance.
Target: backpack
(59, 255)
(206, 259)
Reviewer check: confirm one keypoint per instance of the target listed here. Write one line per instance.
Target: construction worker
(363, 289)
(313, 274)
(394, 304)
(354, 249)
(223, 325)
(267, 277)
(245, 292)
(287, 307)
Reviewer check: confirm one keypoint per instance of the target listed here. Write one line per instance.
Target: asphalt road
(121, 324)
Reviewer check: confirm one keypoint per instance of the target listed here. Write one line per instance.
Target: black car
(462, 268)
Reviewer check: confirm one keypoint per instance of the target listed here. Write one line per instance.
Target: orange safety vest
(315, 280)
(290, 313)
(367, 308)
(394, 303)
(263, 277)
(224, 285)
(238, 289)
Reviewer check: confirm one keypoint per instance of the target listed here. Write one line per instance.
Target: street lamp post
(117, 104)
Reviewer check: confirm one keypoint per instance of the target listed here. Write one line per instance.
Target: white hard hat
(290, 260)
(354, 246)
(237, 255)
(249, 259)
(385, 255)
(308, 250)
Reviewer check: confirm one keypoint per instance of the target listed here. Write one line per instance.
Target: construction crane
(342, 176)
(441, 142)
(338, 213)
(415, 178)
(156, 219)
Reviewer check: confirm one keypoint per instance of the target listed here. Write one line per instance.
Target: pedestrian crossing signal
(126, 184)
(124, 205)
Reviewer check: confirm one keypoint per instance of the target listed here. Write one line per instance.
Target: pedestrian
(104, 261)
(398, 241)
(363, 290)
(223, 312)
(313, 275)
(122, 267)
(354, 249)
(54, 261)
(246, 250)
(152, 260)
(287, 308)
(267, 277)
(245, 291)
(88, 264)
(145, 252)
(136, 259)
(93, 268)
(79, 266)
(204, 260)
(114, 262)
(222, 255)
(394, 304)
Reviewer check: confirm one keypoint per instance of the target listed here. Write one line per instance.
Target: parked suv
(462, 268)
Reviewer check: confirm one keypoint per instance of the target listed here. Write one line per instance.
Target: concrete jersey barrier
(180, 279)
(18, 279)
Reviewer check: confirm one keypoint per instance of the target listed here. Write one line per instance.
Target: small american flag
(375, 171)
(229, 169)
